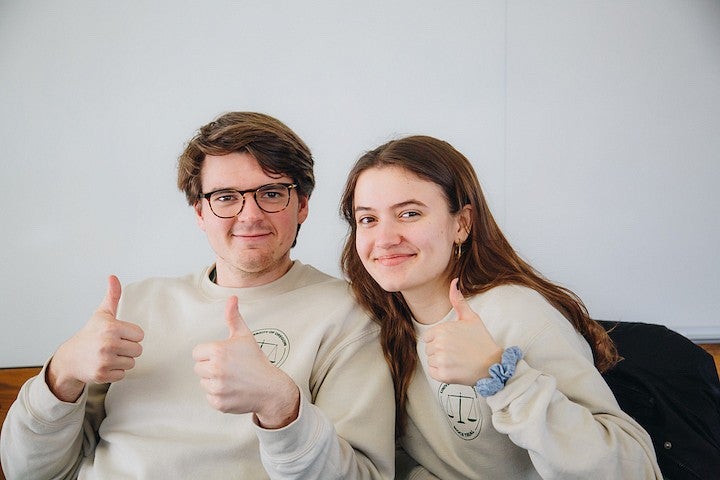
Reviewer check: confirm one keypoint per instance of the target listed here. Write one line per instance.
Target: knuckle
(215, 350)
(216, 372)
(107, 348)
(111, 327)
(217, 403)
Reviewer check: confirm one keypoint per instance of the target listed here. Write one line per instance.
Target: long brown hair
(488, 259)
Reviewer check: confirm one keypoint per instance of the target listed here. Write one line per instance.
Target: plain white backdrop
(594, 127)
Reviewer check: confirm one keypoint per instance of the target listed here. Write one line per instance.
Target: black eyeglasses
(228, 202)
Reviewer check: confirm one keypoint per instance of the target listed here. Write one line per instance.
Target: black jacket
(670, 386)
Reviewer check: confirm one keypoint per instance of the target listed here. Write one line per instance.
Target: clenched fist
(238, 378)
(462, 351)
(101, 352)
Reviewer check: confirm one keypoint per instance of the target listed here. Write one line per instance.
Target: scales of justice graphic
(274, 344)
(460, 403)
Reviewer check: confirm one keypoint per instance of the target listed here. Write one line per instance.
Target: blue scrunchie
(499, 373)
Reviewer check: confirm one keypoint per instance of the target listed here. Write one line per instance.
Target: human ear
(464, 222)
(303, 208)
(197, 208)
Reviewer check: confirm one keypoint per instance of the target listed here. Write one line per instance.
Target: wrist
(283, 410)
(499, 373)
(66, 388)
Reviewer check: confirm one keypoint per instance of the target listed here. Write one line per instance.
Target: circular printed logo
(460, 403)
(274, 344)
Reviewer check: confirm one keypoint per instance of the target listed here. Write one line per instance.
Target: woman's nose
(387, 235)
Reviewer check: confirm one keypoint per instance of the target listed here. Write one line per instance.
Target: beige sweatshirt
(156, 423)
(556, 418)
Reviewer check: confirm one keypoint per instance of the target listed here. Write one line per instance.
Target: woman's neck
(428, 306)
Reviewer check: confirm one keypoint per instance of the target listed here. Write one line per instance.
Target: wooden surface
(11, 379)
(714, 350)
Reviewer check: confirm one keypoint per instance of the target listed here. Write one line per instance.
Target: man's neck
(226, 276)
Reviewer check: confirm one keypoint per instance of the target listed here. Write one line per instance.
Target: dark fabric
(670, 386)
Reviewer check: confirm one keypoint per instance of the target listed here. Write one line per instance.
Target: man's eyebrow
(236, 189)
(406, 203)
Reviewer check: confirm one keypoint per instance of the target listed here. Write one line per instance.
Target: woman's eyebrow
(406, 203)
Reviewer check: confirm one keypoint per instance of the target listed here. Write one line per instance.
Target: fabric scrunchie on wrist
(499, 373)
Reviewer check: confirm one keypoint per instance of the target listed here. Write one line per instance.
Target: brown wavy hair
(277, 149)
(488, 259)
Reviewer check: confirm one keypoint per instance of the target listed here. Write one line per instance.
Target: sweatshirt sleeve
(346, 431)
(558, 407)
(45, 438)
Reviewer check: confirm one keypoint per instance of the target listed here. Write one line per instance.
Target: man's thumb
(233, 319)
(112, 296)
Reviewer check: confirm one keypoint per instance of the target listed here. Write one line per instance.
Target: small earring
(458, 252)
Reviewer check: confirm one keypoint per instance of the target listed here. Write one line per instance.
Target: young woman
(496, 369)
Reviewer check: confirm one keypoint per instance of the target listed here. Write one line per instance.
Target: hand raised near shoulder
(460, 352)
(238, 378)
(101, 352)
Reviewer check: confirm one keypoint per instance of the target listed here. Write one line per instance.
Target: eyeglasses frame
(242, 193)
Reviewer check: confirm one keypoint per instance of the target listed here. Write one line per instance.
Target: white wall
(613, 159)
(593, 126)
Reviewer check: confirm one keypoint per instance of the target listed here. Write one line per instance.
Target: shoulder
(320, 287)
(514, 302)
(153, 285)
(518, 315)
(159, 294)
(332, 298)
(308, 276)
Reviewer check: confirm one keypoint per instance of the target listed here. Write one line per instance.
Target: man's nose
(250, 208)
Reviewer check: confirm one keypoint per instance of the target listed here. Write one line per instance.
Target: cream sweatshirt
(157, 424)
(556, 418)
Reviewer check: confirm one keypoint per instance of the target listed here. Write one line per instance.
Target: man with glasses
(255, 367)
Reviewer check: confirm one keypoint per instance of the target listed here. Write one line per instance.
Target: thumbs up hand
(238, 378)
(101, 352)
(460, 352)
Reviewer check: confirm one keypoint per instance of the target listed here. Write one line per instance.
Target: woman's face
(405, 232)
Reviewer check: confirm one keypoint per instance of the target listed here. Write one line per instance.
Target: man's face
(252, 248)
